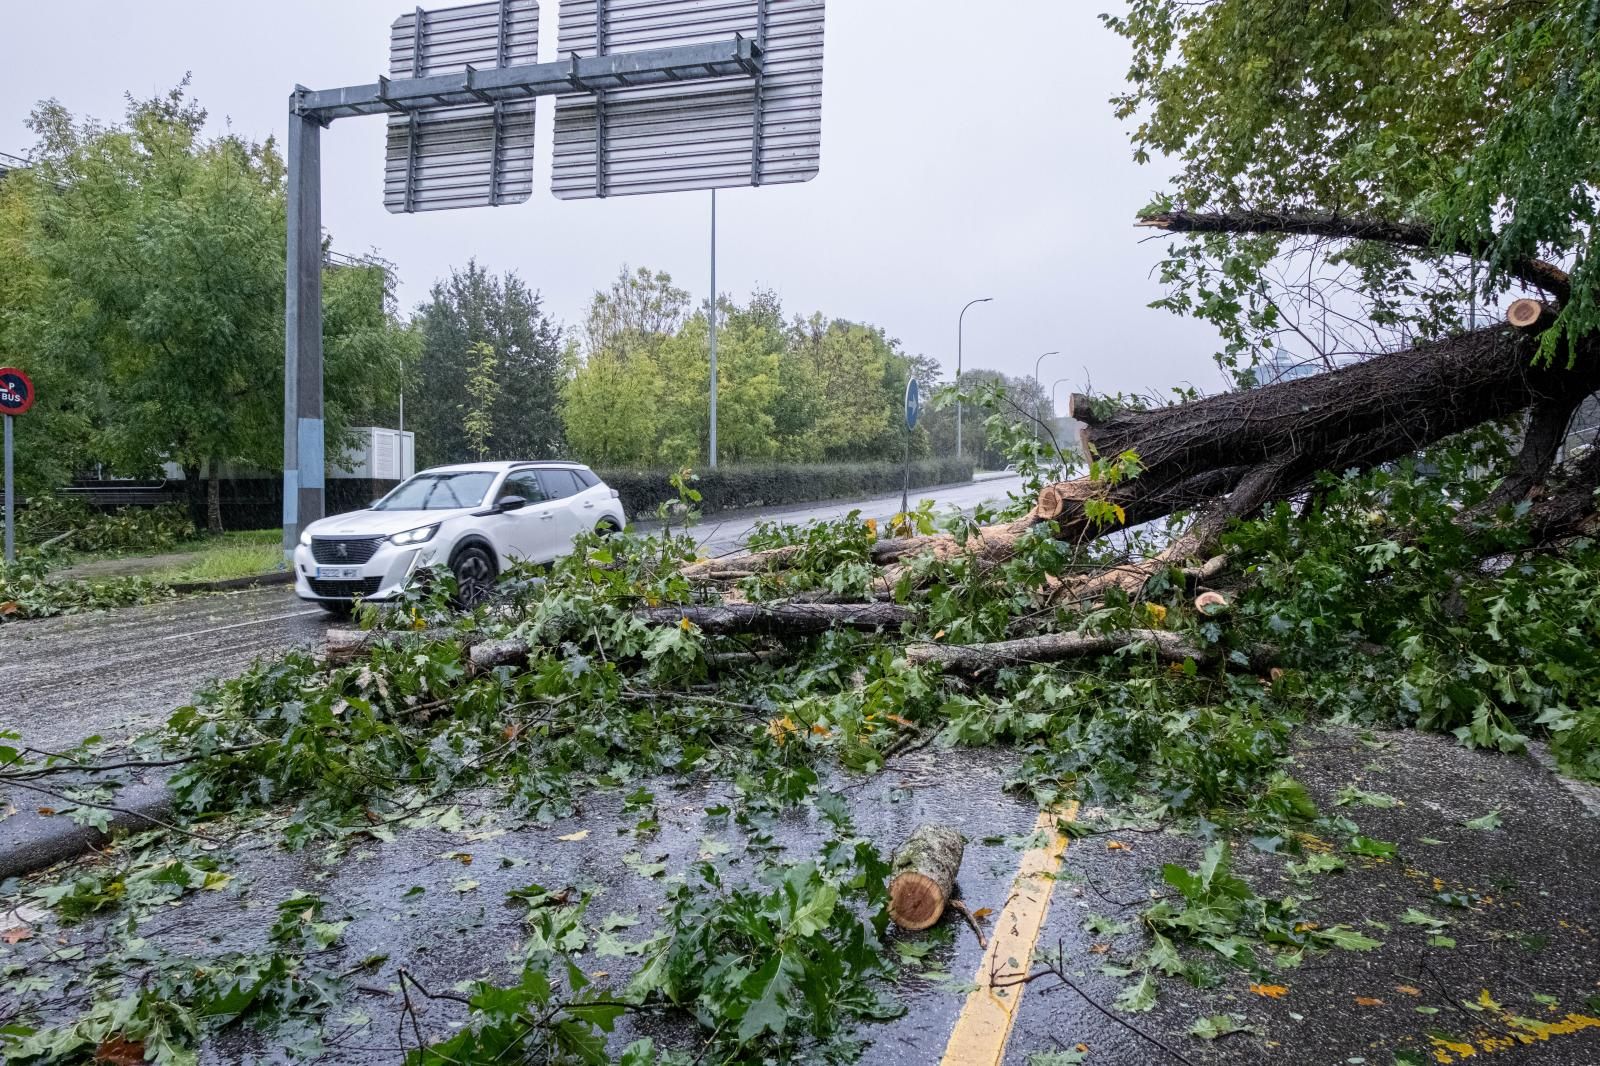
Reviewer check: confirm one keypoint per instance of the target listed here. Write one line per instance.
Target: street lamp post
(1058, 383)
(1039, 385)
(960, 325)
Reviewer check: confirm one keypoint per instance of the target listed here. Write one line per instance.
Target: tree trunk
(194, 495)
(781, 619)
(922, 875)
(1049, 647)
(214, 500)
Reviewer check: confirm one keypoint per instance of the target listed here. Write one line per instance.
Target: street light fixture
(960, 324)
(1036, 363)
(1040, 385)
(1058, 383)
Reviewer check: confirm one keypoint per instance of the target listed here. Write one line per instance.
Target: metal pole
(960, 326)
(713, 329)
(1054, 413)
(11, 500)
(303, 473)
(905, 488)
(1040, 385)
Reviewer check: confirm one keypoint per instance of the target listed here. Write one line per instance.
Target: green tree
(469, 308)
(158, 263)
(859, 378)
(1475, 121)
(615, 392)
(812, 390)
(477, 419)
(609, 408)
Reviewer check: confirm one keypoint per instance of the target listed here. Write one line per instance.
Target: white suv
(477, 519)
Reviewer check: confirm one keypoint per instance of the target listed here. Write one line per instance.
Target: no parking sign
(16, 391)
(16, 396)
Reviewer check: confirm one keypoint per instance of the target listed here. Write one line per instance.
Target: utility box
(379, 455)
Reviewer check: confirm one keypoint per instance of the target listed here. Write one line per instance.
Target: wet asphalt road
(116, 674)
(1518, 903)
(1522, 935)
(119, 673)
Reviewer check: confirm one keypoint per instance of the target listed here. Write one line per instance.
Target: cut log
(1530, 315)
(776, 619)
(1052, 647)
(922, 875)
(1051, 503)
(1082, 408)
(742, 565)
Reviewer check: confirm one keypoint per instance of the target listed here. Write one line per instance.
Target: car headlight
(305, 538)
(415, 536)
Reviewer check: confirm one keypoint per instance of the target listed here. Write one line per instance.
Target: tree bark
(1053, 647)
(780, 619)
(214, 499)
(922, 875)
(194, 494)
(774, 619)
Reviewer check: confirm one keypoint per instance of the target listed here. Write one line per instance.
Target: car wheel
(606, 528)
(475, 573)
(337, 608)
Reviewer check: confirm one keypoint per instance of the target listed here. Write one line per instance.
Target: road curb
(30, 841)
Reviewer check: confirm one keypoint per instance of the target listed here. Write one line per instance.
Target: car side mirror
(510, 503)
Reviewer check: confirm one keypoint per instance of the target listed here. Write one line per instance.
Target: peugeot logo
(344, 551)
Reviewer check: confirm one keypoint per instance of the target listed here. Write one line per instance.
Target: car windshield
(438, 492)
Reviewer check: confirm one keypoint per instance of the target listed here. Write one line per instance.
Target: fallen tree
(1226, 456)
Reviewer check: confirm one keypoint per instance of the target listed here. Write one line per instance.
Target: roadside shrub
(124, 529)
(731, 487)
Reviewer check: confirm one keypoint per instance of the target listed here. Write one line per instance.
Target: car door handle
(547, 517)
(588, 504)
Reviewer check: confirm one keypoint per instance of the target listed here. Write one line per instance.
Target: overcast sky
(967, 150)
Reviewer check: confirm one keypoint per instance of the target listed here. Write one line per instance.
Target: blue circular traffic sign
(913, 403)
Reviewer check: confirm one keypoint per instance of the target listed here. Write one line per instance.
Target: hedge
(732, 487)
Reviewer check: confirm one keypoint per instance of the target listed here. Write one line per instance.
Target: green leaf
(1318, 863)
(1352, 794)
(1056, 1058)
(1100, 925)
(1381, 849)
(814, 914)
(1218, 1025)
(1413, 916)
(1484, 821)
(769, 990)
(1139, 996)
(1342, 936)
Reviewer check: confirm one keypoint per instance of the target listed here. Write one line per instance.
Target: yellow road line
(979, 1037)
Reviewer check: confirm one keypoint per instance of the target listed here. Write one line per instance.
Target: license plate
(338, 573)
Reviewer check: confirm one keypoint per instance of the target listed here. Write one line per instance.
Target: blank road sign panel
(477, 155)
(712, 134)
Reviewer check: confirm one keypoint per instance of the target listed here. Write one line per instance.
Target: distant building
(1281, 366)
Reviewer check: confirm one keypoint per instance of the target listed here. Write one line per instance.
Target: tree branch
(1535, 272)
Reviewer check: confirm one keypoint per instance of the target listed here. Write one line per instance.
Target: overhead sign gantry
(652, 96)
